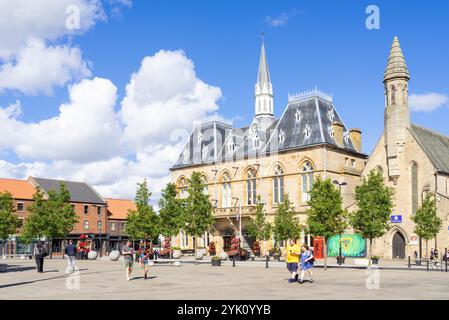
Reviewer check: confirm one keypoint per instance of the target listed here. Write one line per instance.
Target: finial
(262, 36)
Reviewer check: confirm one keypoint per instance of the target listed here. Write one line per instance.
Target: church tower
(397, 114)
(263, 93)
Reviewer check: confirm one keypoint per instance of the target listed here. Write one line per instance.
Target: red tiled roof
(20, 189)
(118, 208)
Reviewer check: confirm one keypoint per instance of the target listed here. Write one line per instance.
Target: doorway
(398, 246)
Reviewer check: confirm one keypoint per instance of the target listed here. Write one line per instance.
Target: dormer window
(199, 137)
(205, 151)
(231, 144)
(346, 136)
(331, 115)
(307, 132)
(256, 142)
(298, 115)
(330, 129)
(255, 129)
(281, 136)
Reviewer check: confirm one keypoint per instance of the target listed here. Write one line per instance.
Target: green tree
(286, 224)
(374, 201)
(197, 213)
(143, 223)
(259, 228)
(326, 217)
(51, 216)
(170, 212)
(8, 220)
(427, 222)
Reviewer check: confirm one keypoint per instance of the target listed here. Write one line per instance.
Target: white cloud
(86, 128)
(165, 95)
(280, 20)
(89, 141)
(427, 102)
(38, 68)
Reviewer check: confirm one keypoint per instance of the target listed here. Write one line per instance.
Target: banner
(352, 245)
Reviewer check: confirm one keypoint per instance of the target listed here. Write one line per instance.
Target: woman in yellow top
(293, 253)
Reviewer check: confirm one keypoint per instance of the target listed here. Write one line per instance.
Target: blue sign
(396, 218)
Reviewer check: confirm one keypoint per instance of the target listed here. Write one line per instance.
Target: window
(183, 188)
(205, 239)
(226, 191)
(307, 132)
(20, 206)
(307, 181)
(281, 136)
(298, 115)
(346, 162)
(330, 129)
(251, 191)
(112, 226)
(86, 224)
(184, 240)
(256, 142)
(86, 209)
(231, 144)
(73, 206)
(20, 223)
(278, 185)
(99, 210)
(99, 225)
(205, 152)
(204, 182)
(353, 163)
(414, 187)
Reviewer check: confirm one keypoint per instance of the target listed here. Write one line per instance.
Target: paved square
(248, 280)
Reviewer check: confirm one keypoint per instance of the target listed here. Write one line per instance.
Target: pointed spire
(396, 66)
(263, 77)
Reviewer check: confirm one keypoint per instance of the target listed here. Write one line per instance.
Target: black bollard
(268, 258)
(445, 260)
(233, 260)
(409, 264)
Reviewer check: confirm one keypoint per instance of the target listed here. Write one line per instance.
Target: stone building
(413, 160)
(270, 157)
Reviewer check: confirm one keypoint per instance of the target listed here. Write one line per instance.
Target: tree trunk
(51, 249)
(325, 253)
(370, 253)
(195, 248)
(427, 249)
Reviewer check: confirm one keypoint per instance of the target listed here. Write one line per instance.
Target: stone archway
(398, 246)
(396, 243)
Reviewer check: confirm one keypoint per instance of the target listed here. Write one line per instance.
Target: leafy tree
(286, 224)
(51, 216)
(427, 222)
(170, 212)
(143, 223)
(326, 217)
(197, 215)
(8, 220)
(374, 201)
(259, 228)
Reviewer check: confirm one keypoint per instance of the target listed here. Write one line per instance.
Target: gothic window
(251, 191)
(231, 144)
(204, 183)
(256, 142)
(346, 136)
(255, 129)
(226, 191)
(278, 185)
(393, 95)
(331, 115)
(306, 180)
(414, 187)
(307, 132)
(281, 136)
(330, 129)
(182, 185)
(205, 152)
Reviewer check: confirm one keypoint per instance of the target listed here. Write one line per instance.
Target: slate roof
(79, 191)
(435, 145)
(306, 121)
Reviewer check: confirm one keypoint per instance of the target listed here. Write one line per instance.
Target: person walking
(128, 252)
(144, 259)
(292, 253)
(39, 254)
(70, 251)
(307, 260)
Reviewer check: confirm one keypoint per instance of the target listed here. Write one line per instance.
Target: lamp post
(339, 186)
(99, 233)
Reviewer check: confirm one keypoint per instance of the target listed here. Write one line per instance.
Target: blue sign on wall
(396, 218)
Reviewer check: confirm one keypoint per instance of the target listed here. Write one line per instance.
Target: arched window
(226, 191)
(306, 181)
(278, 185)
(414, 187)
(182, 185)
(393, 95)
(251, 191)
(204, 183)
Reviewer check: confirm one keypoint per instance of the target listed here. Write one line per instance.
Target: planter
(375, 261)
(216, 263)
(340, 260)
(177, 254)
(223, 256)
(200, 255)
(114, 255)
(92, 255)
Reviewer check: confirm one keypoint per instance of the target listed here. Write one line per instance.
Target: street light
(339, 186)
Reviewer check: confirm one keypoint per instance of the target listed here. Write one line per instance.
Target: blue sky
(322, 43)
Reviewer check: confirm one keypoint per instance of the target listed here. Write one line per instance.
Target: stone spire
(396, 66)
(263, 92)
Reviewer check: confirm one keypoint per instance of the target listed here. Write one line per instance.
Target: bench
(3, 267)
(188, 251)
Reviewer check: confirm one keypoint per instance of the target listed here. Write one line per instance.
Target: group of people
(143, 257)
(299, 258)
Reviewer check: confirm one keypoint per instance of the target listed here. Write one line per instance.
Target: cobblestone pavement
(248, 280)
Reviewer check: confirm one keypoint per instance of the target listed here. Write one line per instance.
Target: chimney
(338, 133)
(356, 138)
